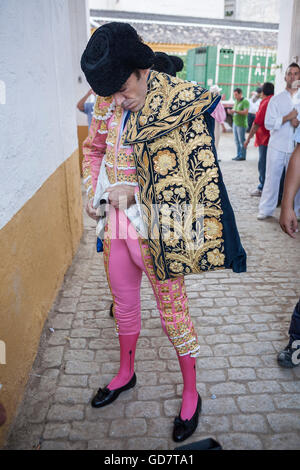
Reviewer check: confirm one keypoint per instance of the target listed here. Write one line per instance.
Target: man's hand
(230, 111)
(121, 196)
(91, 211)
(292, 115)
(288, 221)
(246, 143)
(295, 123)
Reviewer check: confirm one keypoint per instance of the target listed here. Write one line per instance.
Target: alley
(242, 322)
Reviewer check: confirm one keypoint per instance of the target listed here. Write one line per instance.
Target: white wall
(80, 34)
(258, 10)
(288, 39)
(197, 8)
(38, 119)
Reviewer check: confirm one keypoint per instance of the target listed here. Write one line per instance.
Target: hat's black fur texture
(113, 52)
(169, 64)
(178, 63)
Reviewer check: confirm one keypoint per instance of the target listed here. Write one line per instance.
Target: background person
(219, 114)
(86, 105)
(281, 120)
(254, 102)
(262, 135)
(240, 123)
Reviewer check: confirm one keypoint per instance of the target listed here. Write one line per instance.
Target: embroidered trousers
(126, 257)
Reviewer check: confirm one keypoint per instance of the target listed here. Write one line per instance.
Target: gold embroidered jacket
(191, 225)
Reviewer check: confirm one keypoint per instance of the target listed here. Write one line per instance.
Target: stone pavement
(241, 319)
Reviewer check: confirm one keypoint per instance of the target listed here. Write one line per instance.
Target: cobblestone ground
(241, 319)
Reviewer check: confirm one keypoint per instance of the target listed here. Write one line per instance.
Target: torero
(150, 155)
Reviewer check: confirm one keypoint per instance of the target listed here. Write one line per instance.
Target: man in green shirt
(240, 122)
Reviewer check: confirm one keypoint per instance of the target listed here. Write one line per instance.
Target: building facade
(288, 49)
(252, 10)
(200, 8)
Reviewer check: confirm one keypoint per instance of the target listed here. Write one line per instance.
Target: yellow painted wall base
(171, 48)
(36, 247)
(82, 133)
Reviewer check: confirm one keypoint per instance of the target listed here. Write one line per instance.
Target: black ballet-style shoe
(185, 428)
(104, 396)
(111, 313)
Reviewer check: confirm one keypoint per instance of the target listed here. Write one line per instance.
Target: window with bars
(230, 8)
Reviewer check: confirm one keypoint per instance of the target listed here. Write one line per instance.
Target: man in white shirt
(254, 101)
(86, 105)
(281, 120)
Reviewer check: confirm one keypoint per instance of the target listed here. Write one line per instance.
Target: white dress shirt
(282, 135)
(254, 105)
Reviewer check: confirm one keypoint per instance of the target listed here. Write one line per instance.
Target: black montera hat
(169, 64)
(178, 62)
(163, 63)
(113, 52)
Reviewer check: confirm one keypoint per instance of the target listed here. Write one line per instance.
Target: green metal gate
(231, 68)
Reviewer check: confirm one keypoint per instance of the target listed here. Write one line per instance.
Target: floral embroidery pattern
(186, 95)
(164, 161)
(207, 157)
(216, 258)
(176, 267)
(212, 228)
(155, 103)
(212, 192)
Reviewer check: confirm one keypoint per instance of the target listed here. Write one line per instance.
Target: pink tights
(127, 354)
(125, 267)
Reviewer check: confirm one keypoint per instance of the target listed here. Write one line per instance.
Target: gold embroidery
(178, 322)
(112, 135)
(123, 170)
(124, 177)
(186, 95)
(176, 267)
(212, 228)
(178, 178)
(180, 102)
(215, 257)
(106, 253)
(111, 174)
(212, 192)
(103, 107)
(110, 155)
(207, 157)
(164, 161)
(125, 160)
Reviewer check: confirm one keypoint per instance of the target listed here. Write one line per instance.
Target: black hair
(239, 90)
(268, 89)
(293, 64)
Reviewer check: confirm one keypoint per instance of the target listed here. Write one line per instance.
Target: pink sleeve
(219, 114)
(94, 148)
